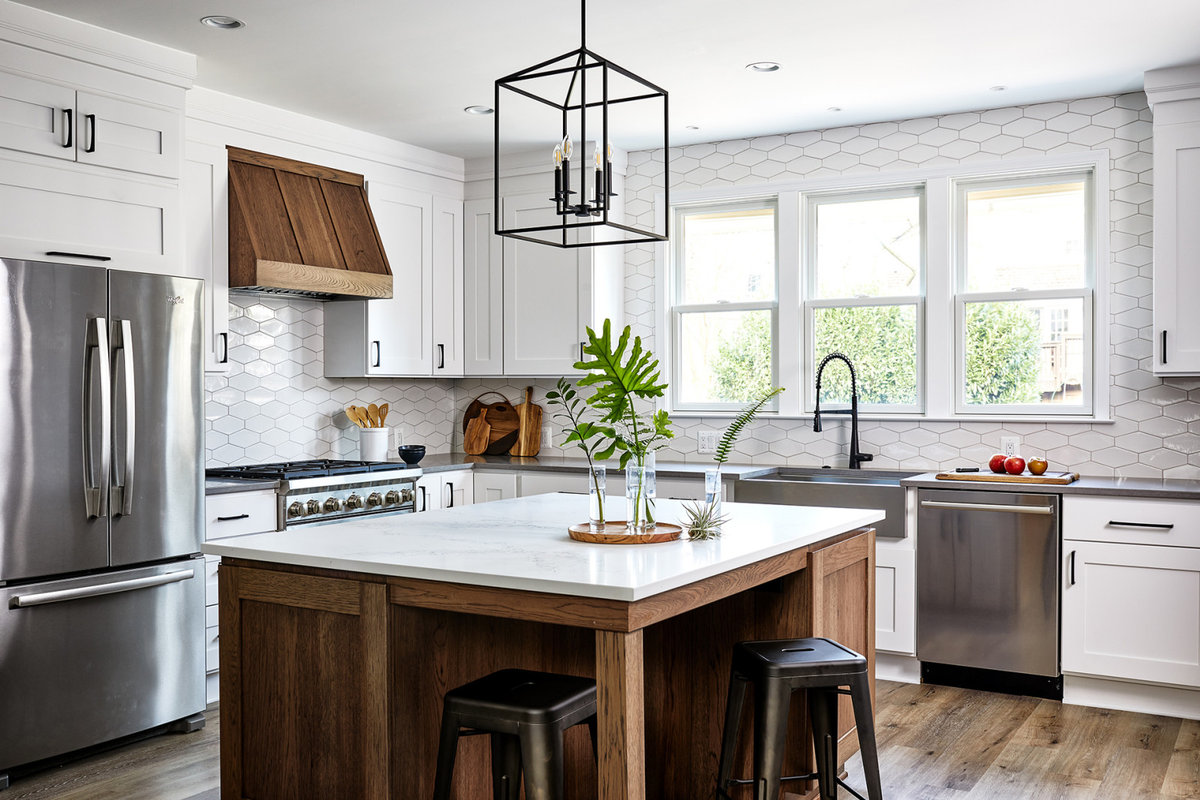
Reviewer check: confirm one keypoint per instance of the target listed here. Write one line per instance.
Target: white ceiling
(406, 69)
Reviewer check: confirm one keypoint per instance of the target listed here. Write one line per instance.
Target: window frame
(677, 309)
(809, 302)
(1087, 293)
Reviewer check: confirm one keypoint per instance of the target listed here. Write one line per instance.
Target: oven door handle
(1044, 510)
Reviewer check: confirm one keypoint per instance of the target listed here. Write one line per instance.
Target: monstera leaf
(618, 377)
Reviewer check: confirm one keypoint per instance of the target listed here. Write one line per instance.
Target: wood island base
(332, 682)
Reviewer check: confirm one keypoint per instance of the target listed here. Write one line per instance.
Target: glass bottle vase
(639, 494)
(597, 484)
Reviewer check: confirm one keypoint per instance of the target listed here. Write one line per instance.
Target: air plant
(703, 520)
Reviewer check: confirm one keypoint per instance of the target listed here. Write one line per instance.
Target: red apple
(1014, 465)
(1038, 465)
(996, 464)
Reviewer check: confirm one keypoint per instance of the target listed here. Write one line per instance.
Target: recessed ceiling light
(834, 109)
(999, 88)
(482, 111)
(763, 66)
(693, 127)
(224, 23)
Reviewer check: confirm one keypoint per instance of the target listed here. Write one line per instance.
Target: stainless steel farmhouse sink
(845, 488)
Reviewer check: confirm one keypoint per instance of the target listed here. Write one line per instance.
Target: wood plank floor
(935, 743)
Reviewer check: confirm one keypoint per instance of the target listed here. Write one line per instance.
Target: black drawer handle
(231, 519)
(91, 123)
(1164, 347)
(69, 126)
(64, 254)
(1072, 583)
(1158, 526)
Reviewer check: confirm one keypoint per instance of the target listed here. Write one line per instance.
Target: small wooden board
(1059, 478)
(529, 432)
(616, 532)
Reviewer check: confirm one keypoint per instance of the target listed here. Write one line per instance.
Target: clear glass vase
(712, 489)
(639, 494)
(597, 484)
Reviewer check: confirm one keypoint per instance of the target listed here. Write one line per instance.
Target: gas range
(325, 490)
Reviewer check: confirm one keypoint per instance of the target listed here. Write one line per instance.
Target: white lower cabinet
(495, 486)
(1131, 590)
(895, 597)
(232, 514)
(445, 490)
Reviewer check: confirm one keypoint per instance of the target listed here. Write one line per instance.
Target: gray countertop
(1112, 487)
(442, 462)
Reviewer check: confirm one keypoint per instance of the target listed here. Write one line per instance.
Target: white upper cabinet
(418, 331)
(205, 186)
(1174, 96)
(483, 294)
(37, 117)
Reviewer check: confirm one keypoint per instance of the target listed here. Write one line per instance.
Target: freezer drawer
(86, 660)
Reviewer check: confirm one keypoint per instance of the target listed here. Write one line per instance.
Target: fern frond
(741, 421)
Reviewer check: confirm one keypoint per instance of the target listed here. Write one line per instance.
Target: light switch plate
(706, 441)
(547, 436)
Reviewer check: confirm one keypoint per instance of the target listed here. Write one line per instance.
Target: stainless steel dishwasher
(988, 590)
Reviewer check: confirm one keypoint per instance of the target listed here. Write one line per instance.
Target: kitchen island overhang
(339, 642)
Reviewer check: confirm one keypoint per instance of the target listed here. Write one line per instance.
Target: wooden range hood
(298, 228)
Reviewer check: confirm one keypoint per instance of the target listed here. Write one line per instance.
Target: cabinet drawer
(239, 513)
(212, 648)
(211, 563)
(1173, 523)
(679, 488)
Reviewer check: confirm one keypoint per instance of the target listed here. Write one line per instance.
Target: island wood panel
(305, 679)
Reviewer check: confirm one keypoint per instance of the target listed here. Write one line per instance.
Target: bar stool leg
(447, 750)
(542, 759)
(822, 714)
(860, 695)
(772, 701)
(733, 721)
(506, 767)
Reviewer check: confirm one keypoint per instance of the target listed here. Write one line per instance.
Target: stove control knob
(296, 510)
(392, 498)
(332, 504)
(406, 495)
(374, 500)
(354, 502)
(312, 507)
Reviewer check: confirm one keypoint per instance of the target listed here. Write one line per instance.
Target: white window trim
(939, 345)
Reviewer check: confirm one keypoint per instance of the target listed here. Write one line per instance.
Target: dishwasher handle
(1043, 510)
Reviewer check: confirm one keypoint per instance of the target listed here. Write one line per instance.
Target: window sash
(677, 315)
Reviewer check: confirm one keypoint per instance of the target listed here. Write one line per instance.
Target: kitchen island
(340, 641)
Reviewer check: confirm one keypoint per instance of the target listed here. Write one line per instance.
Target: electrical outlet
(547, 436)
(706, 441)
(397, 437)
(1010, 445)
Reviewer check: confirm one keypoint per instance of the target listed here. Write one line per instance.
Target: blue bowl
(411, 453)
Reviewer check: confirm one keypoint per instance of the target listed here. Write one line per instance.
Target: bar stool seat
(526, 714)
(777, 668)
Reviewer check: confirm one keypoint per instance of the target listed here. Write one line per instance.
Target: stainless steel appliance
(987, 587)
(857, 488)
(101, 579)
(323, 490)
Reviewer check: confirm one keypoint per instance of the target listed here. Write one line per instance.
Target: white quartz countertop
(523, 544)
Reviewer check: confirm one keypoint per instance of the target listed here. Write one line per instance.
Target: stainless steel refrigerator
(101, 492)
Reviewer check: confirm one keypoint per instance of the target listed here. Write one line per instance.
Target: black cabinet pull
(224, 359)
(424, 499)
(69, 124)
(441, 356)
(89, 256)
(450, 486)
(581, 346)
(231, 519)
(91, 123)
(1072, 583)
(1164, 347)
(1158, 526)
(378, 353)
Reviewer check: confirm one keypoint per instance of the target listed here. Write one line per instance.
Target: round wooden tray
(616, 532)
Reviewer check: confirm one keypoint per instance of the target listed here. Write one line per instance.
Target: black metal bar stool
(778, 668)
(526, 714)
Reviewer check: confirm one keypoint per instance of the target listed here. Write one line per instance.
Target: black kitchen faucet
(856, 457)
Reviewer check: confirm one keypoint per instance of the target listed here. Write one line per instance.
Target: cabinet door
(35, 116)
(205, 188)
(1132, 612)
(547, 292)
(447, 287)
(1176, 249)
(429, 494)
(400, 330)
(457, 489)
(572, 482)
(126, 135)
(895, 600)
(495, 486)
(483, 291)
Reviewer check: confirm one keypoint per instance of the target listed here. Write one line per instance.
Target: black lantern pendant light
(548, 108)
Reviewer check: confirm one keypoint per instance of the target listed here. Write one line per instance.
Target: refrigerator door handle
(96, 344)
(81, 592)
(122, 491)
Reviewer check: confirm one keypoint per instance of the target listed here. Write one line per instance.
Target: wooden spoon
(352, 415)
(373, 414)
(383, 411)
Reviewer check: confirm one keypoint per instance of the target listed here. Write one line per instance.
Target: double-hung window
(1024, 298)
(725, 304)
(863, 295)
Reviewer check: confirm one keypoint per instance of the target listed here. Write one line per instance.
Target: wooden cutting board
(477, 434)
(502, 420)
(529, 434)
(1059, 478)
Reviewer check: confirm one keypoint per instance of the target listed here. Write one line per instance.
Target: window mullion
(790, 343)
(940, 351)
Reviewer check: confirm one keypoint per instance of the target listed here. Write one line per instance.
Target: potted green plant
(594, 440)
(623, 376)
